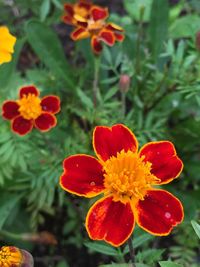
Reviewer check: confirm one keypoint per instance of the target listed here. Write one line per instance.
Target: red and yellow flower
(31, 111)
(7, 42)
(127, 179)
(90, 22)
(14, 257)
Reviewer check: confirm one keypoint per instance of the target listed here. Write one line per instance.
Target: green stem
(131, 251)
(123, 103)
(159, 86)
(10, 235)
(97, 61)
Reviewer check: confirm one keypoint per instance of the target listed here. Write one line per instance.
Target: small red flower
(31, 111)
(127, 178)
(90, 22)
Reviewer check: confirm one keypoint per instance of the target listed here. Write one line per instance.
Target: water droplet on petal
(167, 215)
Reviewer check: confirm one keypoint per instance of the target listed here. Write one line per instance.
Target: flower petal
(114, 27)
(110, 221)
(166, 165)
(51, 104)
(31, 89)
(159, 212)
(68, 19)
(45, 122)
(79, 33)
(7, 42)
(108, 141)
(5, 57)
(96, 45)
(69, 9)
(119, 37)
(10, 110)
(107, 37)
(82, 176)
(21, 126)
(85, 4)
(99, 13)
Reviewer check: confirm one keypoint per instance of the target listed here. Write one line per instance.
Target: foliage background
(161, 57)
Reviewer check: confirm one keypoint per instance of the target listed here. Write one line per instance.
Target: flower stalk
(131, 252)
(97, 61)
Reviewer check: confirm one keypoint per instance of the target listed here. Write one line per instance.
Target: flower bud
(124, 83)
(198, 41)
(15, 257)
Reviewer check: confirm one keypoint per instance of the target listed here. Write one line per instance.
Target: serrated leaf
(85, 99)
(138, 241)
(101, 248)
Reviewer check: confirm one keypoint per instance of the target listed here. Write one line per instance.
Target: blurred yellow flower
(7, 42)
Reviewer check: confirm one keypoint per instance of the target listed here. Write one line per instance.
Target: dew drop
(167, 215)
(92, 184)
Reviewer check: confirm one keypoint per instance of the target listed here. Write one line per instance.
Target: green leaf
(62, 264)
(124, 265)
(46, 45)
(44, 9)
(138, 241)
(8, 69)
(150, 256)
(186, 26)
(102, 248)
(196, 227)
(133, 7)
(85, 99)
(57, 4)
(7, 203)
(158, 27)
(168, 264)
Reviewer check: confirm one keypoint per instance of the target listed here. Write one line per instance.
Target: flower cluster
(7, 42)
(14, 257)
(127, 179)
(90, 22)
(31, 111)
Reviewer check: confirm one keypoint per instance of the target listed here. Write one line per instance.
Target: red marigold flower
(12, 256)
(90, 22)
(76, 13)
(31, 111)
(127, 178)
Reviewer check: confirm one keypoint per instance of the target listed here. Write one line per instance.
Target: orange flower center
(29, 106)
(127, 177)
(10, 256)
(95, 26)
